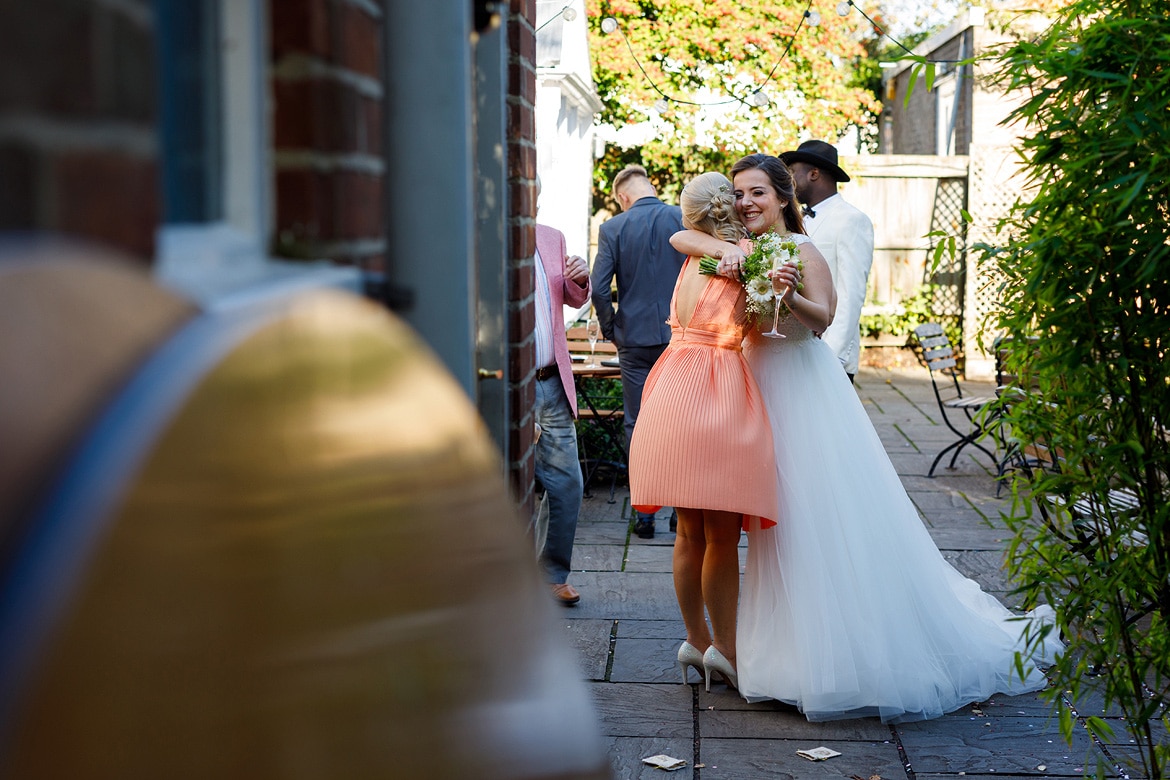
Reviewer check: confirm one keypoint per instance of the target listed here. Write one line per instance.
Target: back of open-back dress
(702, 440)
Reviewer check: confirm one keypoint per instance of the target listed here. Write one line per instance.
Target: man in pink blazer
(560, 279)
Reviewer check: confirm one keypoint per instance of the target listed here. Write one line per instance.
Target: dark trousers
(636, 363)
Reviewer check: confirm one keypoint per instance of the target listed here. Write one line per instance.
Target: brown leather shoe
(565, 593)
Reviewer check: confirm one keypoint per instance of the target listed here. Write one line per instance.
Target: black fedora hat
(818, 154)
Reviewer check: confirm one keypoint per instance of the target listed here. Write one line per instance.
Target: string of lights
(567, 13)
(758, 98)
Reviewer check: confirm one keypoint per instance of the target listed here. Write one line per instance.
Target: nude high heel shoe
(689, 655)
(713, 661)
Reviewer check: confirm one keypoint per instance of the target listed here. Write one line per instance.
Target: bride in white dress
(848, 608)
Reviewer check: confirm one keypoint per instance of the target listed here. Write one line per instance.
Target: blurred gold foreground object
(317, 573)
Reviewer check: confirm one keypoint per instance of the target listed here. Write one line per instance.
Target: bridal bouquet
(770, 251)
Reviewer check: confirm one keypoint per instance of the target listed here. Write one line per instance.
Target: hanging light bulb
(609, 25)
(661, 106)
(814, 18)
(569, 14)
(760, 98)
(844, 7)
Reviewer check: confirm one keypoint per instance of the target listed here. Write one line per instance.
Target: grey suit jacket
(635, 247)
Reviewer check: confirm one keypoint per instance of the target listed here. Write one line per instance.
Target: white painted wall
(566, 103)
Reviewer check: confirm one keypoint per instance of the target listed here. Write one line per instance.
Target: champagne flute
(593, 331)
(774, 333)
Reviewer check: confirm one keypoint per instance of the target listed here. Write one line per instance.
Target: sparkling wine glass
(593, 331)
(774, 333)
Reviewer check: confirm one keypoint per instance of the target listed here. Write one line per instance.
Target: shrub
(1085, 303)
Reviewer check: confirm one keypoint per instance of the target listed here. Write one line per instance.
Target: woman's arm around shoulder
(696, 243)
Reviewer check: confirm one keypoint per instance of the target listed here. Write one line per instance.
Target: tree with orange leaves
(713, 80)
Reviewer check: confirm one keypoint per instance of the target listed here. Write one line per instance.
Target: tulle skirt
(848, 608)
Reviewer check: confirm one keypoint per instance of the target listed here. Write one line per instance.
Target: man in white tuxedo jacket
(842, 233)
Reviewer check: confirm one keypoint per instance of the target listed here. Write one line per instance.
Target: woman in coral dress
(849, 609)
(702, 443)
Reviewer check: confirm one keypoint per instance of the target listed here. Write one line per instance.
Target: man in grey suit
(843, 234)
(635, 247)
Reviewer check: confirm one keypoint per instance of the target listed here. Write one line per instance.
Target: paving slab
(590, 640)
(628, 596)
(624, 595)
(969, 538)
(626, 754)
(1005, 745)
(600, 533)
(1128, 758)
(650, 559)
(598, 557)
(983, 566)
(780, 721)
(595, 508)
(641, 710)
(738, 759)
(648, 660)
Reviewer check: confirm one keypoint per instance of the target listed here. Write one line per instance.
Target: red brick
(361, 41)
(521, 361)
(303, 205)
(525, 8)
(521, 321)
(523, 200)
(358, 205)
(523, 398)
(522, 162)
(82, 186)
(521, 83)
(321, 114)
(522, 239)
(524, 43)
(521, 282)
(521, 122)
(47, 58)
(301, 27)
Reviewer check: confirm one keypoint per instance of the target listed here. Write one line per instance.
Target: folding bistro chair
(939, 357)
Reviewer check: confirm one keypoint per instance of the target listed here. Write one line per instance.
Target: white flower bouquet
(770, 251)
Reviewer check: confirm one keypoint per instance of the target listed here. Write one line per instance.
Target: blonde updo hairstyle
(708, 204)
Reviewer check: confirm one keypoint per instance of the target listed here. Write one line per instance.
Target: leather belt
(547, 372)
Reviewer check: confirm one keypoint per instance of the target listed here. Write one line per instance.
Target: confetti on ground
(664, 762)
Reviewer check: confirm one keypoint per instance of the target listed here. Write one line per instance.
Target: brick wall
(327, 95)
(914, 127)
(78, 141)
(522, 244)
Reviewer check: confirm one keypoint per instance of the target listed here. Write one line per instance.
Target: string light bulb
(609, 25)
(760, 98)
(844, 7)
(813, 17)
(569, 14)
(661, 106)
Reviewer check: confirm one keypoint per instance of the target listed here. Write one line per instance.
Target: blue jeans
(559, 471)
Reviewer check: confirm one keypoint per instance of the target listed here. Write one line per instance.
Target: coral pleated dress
(702, 439)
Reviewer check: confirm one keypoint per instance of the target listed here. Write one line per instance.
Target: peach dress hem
(703, 439)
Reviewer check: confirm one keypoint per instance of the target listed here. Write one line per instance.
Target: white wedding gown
(848, 608)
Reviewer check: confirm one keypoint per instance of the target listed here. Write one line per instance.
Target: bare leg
(690, 548)
(721, 577)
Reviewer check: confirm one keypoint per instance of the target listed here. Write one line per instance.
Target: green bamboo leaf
(930, 76)
(914, 71)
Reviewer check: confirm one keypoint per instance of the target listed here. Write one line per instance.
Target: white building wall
(566, 103)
